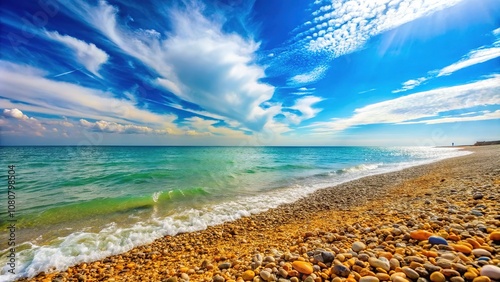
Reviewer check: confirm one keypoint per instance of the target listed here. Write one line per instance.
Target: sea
(80, 204)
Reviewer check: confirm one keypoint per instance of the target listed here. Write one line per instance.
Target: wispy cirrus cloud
(410, 84)
(87, 54)
(196, 61)
(474, 57)
(422, 105)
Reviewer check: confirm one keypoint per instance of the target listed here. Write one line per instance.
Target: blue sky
(384, 72)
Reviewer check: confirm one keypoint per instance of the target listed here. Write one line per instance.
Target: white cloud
(496, 32)
(206, 127)
(342, 27)
(113, 127)
(197, 61)
(481, 116)
(420, 105)
(87, 54)
(474, 57)
(14, 121)
(14, 113)
(304, 106)
(410, 84)
(312, 76)
(41, 95)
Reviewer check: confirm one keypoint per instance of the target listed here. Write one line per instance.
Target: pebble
(494, 236)
(482, 279)
(368, 279)
(248, 275)
(477, 196)
(374, 262)
(410, 273)
(218, 278)
(437, 277)
(437, 240)
(266, 275)
(481, 253)
(224, 265)
(302, 267)
(341, 270)
(358, 246)
(450, 272)
(420, 235)
(327, 256)
(491, 271)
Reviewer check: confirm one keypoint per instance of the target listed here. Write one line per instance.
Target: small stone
(341, 270)
(224, 265)
(172, 279)
(450, 272)
(374, 262)
(394, 263)
(358, 246)
(369, 279)
(410, 273)
(482, 279)
(461, 248)
(476, 213)
(269, 259)
(218, 278)
(283, 273)
(436, 240)
(437, 277)
(457, 279)
(477, 196)
(383, 276)
(185, 276)
(470, 275)
(327, 256)
(302, 267)
(480, 253)
(491, 271)
(294, 279)
(444, 263)
(265, 275)
(420, 235)
(248, 275)
(494, 236)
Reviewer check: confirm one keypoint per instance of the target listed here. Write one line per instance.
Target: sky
(250, 73)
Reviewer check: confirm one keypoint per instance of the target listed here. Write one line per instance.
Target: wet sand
(372, 229)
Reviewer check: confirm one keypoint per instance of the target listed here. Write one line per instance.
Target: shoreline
(198, 255)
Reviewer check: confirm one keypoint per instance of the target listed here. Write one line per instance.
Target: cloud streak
(86, 54)
(474, 57)
(422, 105)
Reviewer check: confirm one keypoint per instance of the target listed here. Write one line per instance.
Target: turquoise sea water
(76, 204)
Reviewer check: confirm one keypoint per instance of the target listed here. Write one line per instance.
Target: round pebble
(437, 277)
(358, 246)
(248, 275)
(491, 271)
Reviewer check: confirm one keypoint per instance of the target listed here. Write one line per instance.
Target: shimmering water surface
(77, 204)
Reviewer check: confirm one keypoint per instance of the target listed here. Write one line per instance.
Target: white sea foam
(86, 246)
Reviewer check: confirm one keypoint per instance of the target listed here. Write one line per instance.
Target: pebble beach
(435, 222)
